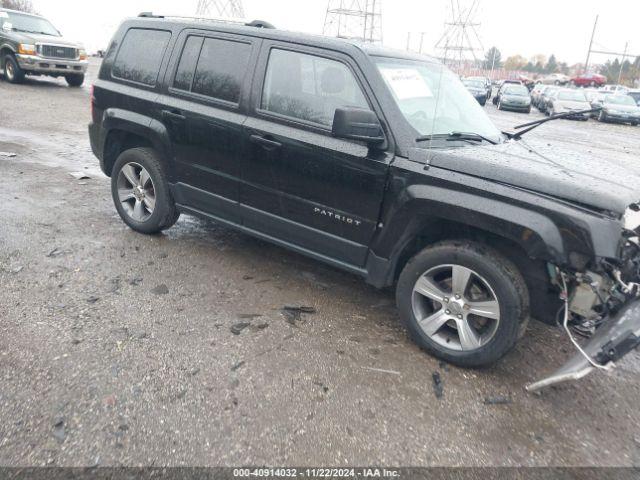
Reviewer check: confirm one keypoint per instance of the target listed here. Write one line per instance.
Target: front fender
(545, 228)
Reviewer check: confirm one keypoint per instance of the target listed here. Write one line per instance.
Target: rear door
(203, 108)
(301, 184)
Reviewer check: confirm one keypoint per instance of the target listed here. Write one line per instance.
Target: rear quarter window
(140, 55)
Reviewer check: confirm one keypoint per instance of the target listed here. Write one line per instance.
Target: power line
(220, 8)
(354, 19)
(460, 41)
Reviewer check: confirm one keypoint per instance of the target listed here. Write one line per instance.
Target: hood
(550, 170)
(33, 38)
(622, 108)
(572, 104)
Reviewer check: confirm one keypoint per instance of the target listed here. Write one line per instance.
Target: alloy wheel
(456, 307)
(136, 191)
(8, 70)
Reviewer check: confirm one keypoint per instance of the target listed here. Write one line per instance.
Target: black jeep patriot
(378, 162)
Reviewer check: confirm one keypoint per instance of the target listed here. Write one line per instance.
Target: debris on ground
(293, 314)
(438, 388)
(8, 154)
(58, 430)
(237, 365)
(381, 370)
(135, 281)
(161, 289)
(498, 400)
(236, 328)
(54, 253)
(92, 299)
(80, 175)
(249, 315)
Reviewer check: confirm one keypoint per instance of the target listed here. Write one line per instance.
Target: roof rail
(234, 21)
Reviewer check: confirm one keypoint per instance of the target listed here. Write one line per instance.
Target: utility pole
(593, 34)
(220, 8)
(624, 56)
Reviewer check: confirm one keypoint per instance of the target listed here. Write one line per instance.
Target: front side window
(140, 55)
(308, 87)
(222, 67)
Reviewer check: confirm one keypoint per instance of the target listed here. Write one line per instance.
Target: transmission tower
(354, 19)
(460, 43)
(220, 8)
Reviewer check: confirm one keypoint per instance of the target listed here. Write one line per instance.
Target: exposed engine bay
(602, 305)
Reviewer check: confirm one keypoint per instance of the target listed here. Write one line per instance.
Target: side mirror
(357, 124)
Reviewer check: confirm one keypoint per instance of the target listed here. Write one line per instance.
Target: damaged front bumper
(612, 341)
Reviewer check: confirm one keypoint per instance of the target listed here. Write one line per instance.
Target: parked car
(555, 79)
(487, 83)
(513, 97)
(617, 89)
(478, 89)
(619, 109)
(569, 100)
(544, 98)
(589, 80)
(31, 45)
(377, 162)
(635, 94)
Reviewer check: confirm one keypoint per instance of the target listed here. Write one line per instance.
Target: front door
(300, 183)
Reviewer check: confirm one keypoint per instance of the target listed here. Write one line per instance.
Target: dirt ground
(123, 349)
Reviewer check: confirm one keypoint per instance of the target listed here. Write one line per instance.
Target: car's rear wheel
(463, 302)
(140, 191)
(12, 71)
(75, 80)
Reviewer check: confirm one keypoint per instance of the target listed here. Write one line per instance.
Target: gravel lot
(123, 349)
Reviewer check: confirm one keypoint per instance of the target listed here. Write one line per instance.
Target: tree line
(541, 65)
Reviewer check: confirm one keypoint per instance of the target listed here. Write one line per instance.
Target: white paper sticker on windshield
(407, 83)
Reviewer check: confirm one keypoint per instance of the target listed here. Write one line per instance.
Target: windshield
(473, 83)
(30, 24)
(619, 100)
(433, 100)
(517, 90)
(572, 96)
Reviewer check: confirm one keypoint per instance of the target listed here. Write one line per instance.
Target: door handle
(173, 115)
(264, 142)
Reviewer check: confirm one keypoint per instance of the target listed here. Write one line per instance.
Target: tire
(499, 105)
(634, 124)
(75, 80)
(135, 209)
(529, 110)
(12, 71)
(505, 285)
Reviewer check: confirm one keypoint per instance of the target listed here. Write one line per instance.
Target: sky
(514, 26)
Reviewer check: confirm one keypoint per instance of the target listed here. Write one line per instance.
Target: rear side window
(308, 87)
(140, 55)
(213, 67)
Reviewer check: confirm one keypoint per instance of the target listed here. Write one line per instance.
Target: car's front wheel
(463, 302)
(140, 191)
(12, 71)
(75, 80)
(602, 117)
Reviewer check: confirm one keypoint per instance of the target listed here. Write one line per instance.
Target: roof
(20, 12)
(286, 35)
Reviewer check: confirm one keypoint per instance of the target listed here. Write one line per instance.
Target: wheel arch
(124, 130)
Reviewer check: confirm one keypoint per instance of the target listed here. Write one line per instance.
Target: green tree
(552, 65)
(492, 59)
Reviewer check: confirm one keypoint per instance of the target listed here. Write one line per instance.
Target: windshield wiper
(527, 127)
(453, 136)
